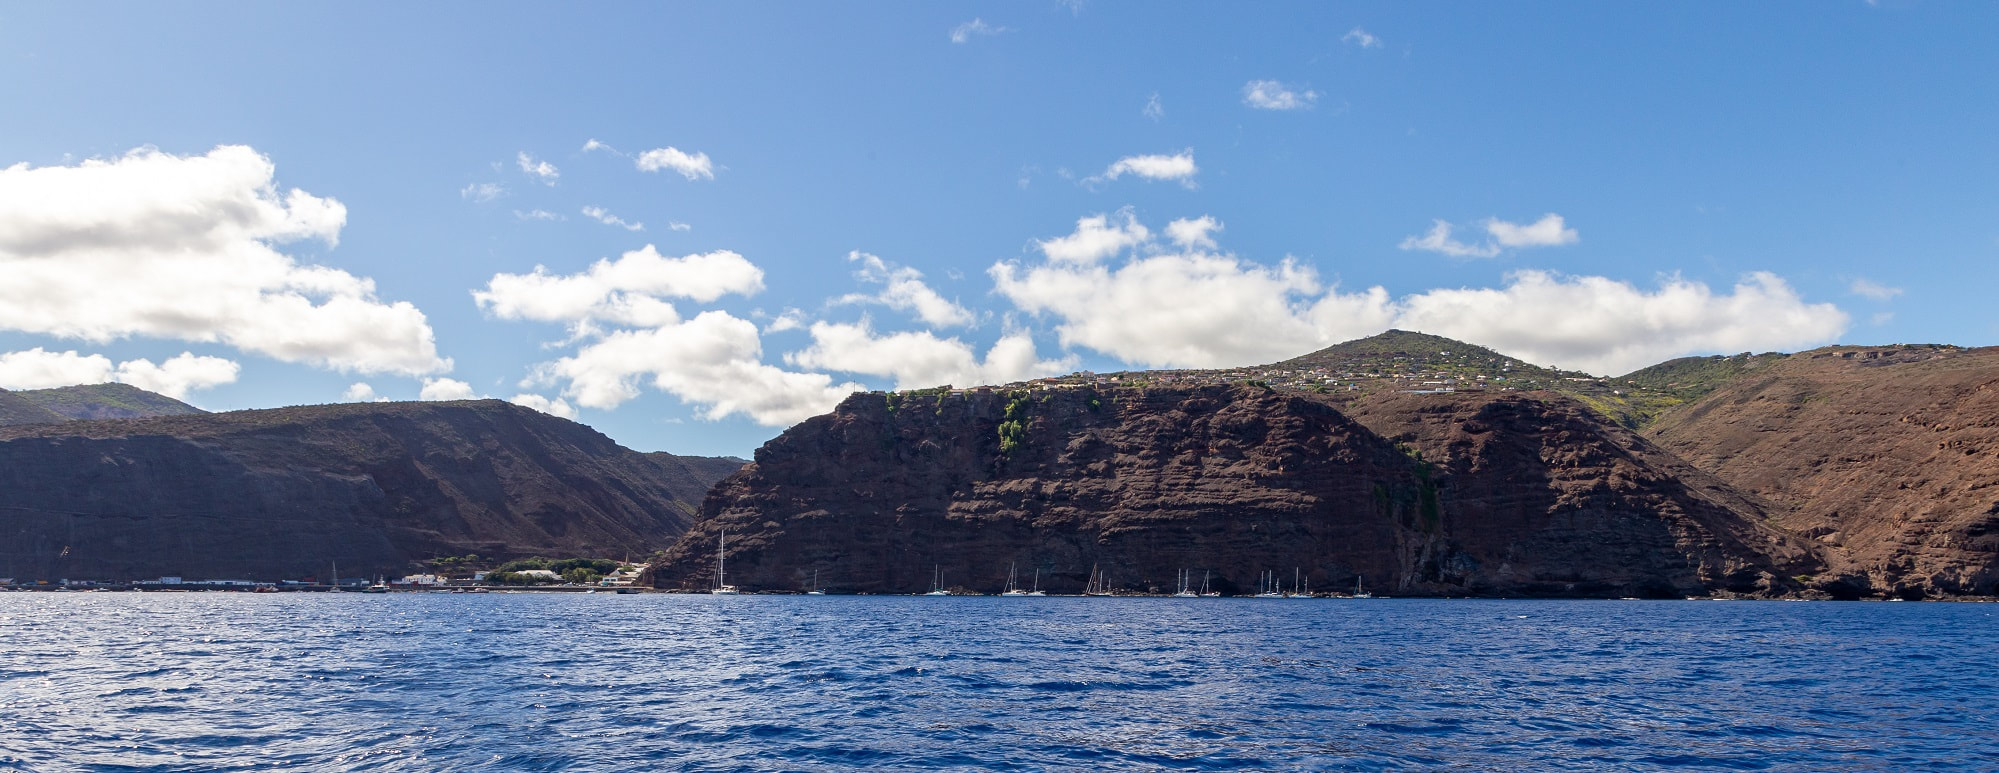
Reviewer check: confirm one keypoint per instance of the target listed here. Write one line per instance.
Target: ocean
(601, 682)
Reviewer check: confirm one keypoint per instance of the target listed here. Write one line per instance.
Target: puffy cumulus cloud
(629, 290)
(179, 374)
(541, 171)
(1549, 231)
(1198, 308)
(446, 389)
(181, 247)
(1179, 166)
(1607, 326)
(175, 377)
(920, 359)
(1361, 37)
(1097, 237)
(904, 290)
(693, 166)
(713, 360)
(362, 392)
(556, 407)
(601, 215)
(1273, 95)
(964, 33)
(1194, 232)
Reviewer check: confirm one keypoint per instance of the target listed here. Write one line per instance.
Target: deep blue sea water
(230, 681)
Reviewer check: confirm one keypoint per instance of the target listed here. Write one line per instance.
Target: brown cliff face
(1225, 481)
(284, 493)
(1890, 455)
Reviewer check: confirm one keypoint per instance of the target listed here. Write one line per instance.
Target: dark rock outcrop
(1888, 456)
(1511, 495)
(284, 493)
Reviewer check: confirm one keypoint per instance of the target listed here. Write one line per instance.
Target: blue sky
(883, 195)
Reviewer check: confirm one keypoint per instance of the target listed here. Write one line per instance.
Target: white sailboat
(816, 590)
(1184, 592)
(937, 582)
(1037, 583)
(1100, 583)
(1297, 586)
(1267, 586)
(1357, 592)
(722, 587)
(1206, 592)
(1013, 581)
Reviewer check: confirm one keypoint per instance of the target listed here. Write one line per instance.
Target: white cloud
(593, 144)
(1272, 95)
(542, 171)
(482, 192)
(600, 215)
(361, 392)
(181, 247)
(175, 377)
(1153, 109)
(694, 166)
(1868, 288)
(712, 360)
(556, 407)
(179, 375)
(1549, 231)
(675, 225)
(1152, 167)
(964, 32)
(1361, 37)
(1439, 240)
(630, 290)
(1882, 318)
(1096, 238)
(791, 319)
(445, 389)
(1197, 308)
(537, 214)
(921, 359)
(1197, 232)
(905, 291)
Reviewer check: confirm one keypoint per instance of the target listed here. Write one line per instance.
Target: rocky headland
(285, 493)
(1462, 494)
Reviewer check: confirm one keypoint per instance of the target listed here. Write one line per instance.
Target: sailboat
(1206, 593)
(1297, 586)
(937, 583)
(1184, 593)
(1357, 593)
(1013, 581)
(1037, 583)
(722, 587)
(816, 590)
(1100, 583)
(1268, 585)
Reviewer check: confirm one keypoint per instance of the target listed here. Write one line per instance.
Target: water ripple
(185, 682)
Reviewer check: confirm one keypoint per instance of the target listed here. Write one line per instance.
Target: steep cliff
(284, 493)
(1139, 483)
(1890, 455)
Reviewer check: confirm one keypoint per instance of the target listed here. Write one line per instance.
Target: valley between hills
(1427, 466)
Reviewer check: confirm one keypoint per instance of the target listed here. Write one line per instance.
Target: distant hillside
(1692, 378)
(107, 401)
(1888, 453)
(16, 410)
(284, 493)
